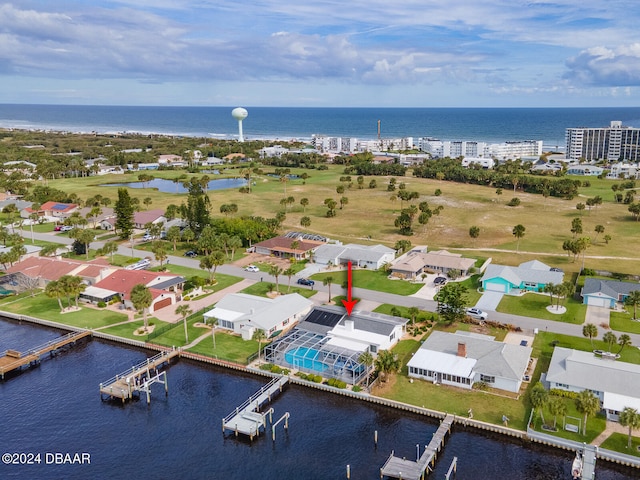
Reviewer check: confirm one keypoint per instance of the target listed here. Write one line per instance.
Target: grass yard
(41, 306)
(619, 442)
(261, 289)
(622, 322)
(126, 330)
(175, 337)
(486, 407)
(595, 425)
(371, 280)
(228, 347)
(535, 305)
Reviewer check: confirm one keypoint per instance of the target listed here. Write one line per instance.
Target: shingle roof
(610, 288)
(586, 370)
(493, 358)
(517, 275)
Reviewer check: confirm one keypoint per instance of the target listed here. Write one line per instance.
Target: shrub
(480, 386)
(101, 304)
(276, 369)
(563, 393)
(356, 388)
(514, 202)
(267, 366)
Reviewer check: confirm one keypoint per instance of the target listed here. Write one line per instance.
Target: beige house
(418, 261)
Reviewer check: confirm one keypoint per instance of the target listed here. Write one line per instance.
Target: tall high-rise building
(613, 143)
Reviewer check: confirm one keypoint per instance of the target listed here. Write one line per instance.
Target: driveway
(597, 315)
(489, 301)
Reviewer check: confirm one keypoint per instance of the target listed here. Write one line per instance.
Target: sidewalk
(612, 427)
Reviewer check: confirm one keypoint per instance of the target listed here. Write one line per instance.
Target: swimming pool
(303, 357)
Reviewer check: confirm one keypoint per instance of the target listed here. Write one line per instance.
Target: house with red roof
(47, 269)
(56, 210)
(165, 287)
(287, 247)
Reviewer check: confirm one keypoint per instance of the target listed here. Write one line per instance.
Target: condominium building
(613, 143)
(501, 151)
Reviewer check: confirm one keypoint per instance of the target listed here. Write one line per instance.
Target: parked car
(66, 228)
(251, 268)
(147, 238)
(57, 228)
(555, 269)
(191, 254)
(477, 313)
(306, 281)
(439, 281)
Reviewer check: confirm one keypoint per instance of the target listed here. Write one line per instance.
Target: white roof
(97, 292)
(614, 401)
(223, 314)
(350, 344)
(443, 363)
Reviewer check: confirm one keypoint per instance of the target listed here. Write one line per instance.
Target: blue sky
(423, 53)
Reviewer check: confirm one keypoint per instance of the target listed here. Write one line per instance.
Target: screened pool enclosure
(312, 352)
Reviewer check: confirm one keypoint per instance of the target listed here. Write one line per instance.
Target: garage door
(496, 287)
(598, 302)
(161, 304)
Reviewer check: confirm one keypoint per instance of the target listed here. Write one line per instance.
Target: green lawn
(47, 308)
(262, 288)
(535, 305)
(228, 347)
(371, 280)
(472, 284)
(175, 337)
(619, 442)
(595, 425)
(622, 322)
(126, 330)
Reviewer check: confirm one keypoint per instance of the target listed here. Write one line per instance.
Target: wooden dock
(396, 467)
(246, 418)
(139, 378)
(14, 360)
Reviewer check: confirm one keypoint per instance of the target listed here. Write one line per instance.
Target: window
(373, 348)
(487, 378)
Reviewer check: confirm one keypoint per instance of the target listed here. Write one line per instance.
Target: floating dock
(396, 467)
(14, 360)
(589, 454)
(139, 378)
(246, 418)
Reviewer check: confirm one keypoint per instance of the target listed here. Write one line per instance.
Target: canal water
(55, 408)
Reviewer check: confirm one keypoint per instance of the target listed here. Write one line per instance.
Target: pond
(169, 186)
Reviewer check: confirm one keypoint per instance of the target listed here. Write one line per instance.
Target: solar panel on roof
(321, 317)
(59, 206)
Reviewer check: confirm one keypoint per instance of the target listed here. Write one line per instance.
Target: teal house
(528, 276)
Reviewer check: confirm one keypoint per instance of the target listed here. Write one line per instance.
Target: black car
(439, 281)
(191, 254)
(306, 281)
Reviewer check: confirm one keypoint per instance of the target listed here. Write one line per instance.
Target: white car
(477, 313)
(251, 268)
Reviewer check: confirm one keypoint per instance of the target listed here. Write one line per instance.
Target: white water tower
(239, 114)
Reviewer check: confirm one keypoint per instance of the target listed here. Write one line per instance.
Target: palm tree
(624, 340)
(633, 300)
(590, 330)
(54, 290)
(386, 363)
(588, 404)
(556, 406)
(275, 271)
(629, 417)
(539, 397)
(518, 232)
(259, 336)
(289, 272)
(366, 359)
(609, 338)
(184, 311)
(141, 299)
(550, 288)
(327, 283)
(413, 313)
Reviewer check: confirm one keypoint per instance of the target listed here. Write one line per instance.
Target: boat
(576, 467)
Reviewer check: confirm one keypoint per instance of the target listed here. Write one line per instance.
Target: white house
(329, 342)
(460, 359)
(615, 383)
(364, 256)
(244, 314)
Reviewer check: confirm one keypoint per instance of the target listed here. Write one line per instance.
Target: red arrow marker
(348, 303)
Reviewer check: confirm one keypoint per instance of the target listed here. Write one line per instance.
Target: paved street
(526, 323)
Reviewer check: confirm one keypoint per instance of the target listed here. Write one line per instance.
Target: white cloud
(602, 66)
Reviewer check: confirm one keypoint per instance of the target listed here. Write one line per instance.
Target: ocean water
(56, 408)
(478, 124)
